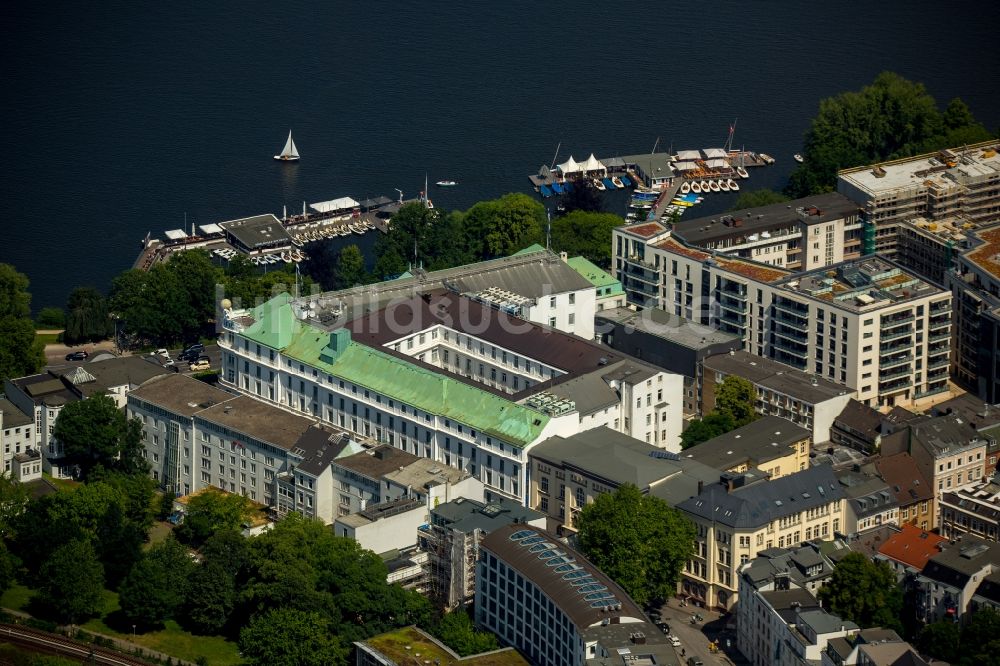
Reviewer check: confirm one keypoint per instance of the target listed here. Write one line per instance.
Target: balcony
(902, 333)
(799, 350)
(640, 274)
(796, 309)
(895, 360)
(931, 390)
(941, 363)
(794, 322)
(885, 375)
(938, 323)
(936, 337)
(734, 294)
(733, 319)
(738, 308)
(940, 307)
(792, 334)
(895, 385)
(934, 350)
(892, 322)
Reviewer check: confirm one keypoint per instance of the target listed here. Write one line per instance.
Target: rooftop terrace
(862, 284)
(410, 646)
(942, 170)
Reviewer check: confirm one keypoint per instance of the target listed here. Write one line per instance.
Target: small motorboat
(446, 183)
(557, 187)
(369, 224)
(598, 184)
(545, 191)
(696, 187)
(618, 182)
(797, 158)
(608, 183)
(713, 185)
(626, 182)
(685, 187)
(358, 229)
(724, 185)
(767, 158)
(741, 172)
(733, 185)
(345, 230)
(289, 153)
(286, 257)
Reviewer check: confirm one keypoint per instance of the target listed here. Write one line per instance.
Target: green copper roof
(596, 276)
(437, 393)
(531, 249)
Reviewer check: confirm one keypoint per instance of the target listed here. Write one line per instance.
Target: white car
(676, 642)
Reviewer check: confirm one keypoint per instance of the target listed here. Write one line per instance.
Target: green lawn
(157, 533)
(48, 338)
(63, 484)
(170, 640)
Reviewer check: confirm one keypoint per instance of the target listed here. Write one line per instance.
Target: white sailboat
(289, 153)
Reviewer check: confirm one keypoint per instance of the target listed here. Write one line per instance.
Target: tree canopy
(288, 637)
(213, 511)
(72, 582)
(457, 631)
(88, 319)
(94, 433)
(21, 353)
(156, 587)
(51, 318)
(638, 540)
(702, 430)
(976, 642)
(889, 119)
(581, 233)
(864, 592)
(736, 397)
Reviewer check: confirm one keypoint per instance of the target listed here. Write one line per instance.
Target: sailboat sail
(290, 150)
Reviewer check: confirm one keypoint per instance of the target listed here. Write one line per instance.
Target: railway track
(55, 643)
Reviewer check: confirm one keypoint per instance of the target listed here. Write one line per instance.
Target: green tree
(210, 512)
(980, 642)
(21, 353)
(156, 587)
(72, 582)
(88, 319)
(211, 596)
(757, 198)
(8, 567)
(500, 227)
(51, 318)
(888, 119)
(736, 397)
(638, 540)
(702, 430)
(457, 631)
(350, 267)
(940, 640)
(95, 434)
(580, 233)
(229, 549)
(13, 501)
(389, 264)
(864, 592)
(286, 637)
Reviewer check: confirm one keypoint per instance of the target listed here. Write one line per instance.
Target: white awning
(714, 153)
(593, 164)
(175, 234)
(685, 166)
(686, 155)
(209, 229)
(343, 203)
(569, 166)
(717, 164)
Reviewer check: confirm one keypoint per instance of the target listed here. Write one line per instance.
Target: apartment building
(548, 601)
(871, 504)
(451, 540)
(568, 473)
(871, 647)
(975, 286)
(387, 528)
(948, 452)
(973, 510)
(936, 186)
(914, 493)
(196, 436)
(735, 522)
(931, 249)
(771, 444)
(858, 427)
(445, 377)
(806, 400)
(909, 550)
(805, 566)
(780, 623)
(43, 396)
(16, 432)
(667, 341)
(801, 235)
(867, 324)
(951, 578)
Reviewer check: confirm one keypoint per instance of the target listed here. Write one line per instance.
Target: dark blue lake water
(120, 117)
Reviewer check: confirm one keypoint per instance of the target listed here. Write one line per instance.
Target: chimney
(563, 256)
(227, 409)
(638, 638)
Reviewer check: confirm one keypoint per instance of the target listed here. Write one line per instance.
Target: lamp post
(133, 633)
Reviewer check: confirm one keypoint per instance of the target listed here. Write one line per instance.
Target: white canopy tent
(717, 164)
(685, 166)
(688, 155)
(569, 166)
(343, 203)
(714, 153)
(209, 229)
(593, 164)
(175, 234)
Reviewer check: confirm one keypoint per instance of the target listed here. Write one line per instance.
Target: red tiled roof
(912, 546)
(645, 230)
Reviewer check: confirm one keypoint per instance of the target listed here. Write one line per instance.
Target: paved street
(695, 638)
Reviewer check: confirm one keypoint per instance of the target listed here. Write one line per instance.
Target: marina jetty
(266, 239)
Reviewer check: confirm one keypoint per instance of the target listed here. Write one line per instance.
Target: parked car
(695, 661)
(196, 348)
(200, 365)
(77, 356)
(676, 642)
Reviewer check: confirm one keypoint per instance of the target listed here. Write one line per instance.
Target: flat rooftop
(259, 420)
(373, 463)
(775, 376)
(180, 394)
(668, 326)
(743, 267)
(465, 515)
(765, 439)
(814, 209)
(404, 645)
(425, 473)
(942, 170)
(258, 231)
(862, 284)
(643, 230)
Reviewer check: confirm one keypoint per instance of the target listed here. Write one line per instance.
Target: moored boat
(741, 172)
(446, 183)
(598, 184)
(618, 182)
(545, 191)
(724, 185)
(557, 187)
(685, 187)
(733, 185)
(626, 181)
(713, 185)
(696, 187)
(608, 184)
(797, 158)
